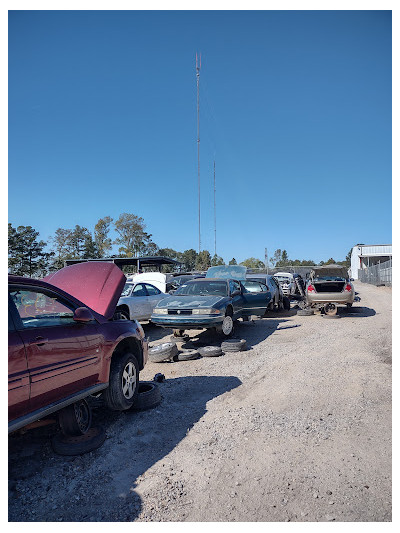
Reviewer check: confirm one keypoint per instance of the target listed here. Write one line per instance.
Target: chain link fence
(380, 274)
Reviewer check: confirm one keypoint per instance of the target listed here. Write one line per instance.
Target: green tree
(132, 237)
(233, 261)
(26, 255)
(78, 242)
(188, 258)
(277, 257)
(102, 240)
(252, 262)
(203, 260)
(61, 247)
(217, 260)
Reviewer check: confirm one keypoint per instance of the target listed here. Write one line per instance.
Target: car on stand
(64, 344)
(210, 302)
(328, 287)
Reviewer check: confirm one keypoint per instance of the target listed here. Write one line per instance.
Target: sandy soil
(297, 428)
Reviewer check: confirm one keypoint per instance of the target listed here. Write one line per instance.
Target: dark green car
(209, 303)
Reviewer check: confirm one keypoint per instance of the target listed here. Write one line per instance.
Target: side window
(151, 290)
(139, 290)
(231, 286)
(41, 308)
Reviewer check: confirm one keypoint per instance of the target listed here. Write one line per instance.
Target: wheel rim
(129, 380)
(330, 309)
(227, 325)
(82, 414)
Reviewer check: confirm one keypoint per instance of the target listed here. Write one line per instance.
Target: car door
(154, 296)
(257, 299)
(18, 374)
(63, 356)
(237, 300)
(139, 304)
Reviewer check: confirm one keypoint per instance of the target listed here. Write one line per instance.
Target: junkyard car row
(76, 334)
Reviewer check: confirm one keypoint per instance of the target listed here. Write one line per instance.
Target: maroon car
(65, 343)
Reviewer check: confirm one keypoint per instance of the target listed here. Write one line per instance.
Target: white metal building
(365, 255)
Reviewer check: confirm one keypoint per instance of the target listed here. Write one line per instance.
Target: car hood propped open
(96, 284)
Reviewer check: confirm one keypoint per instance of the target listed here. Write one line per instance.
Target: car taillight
(311, 288)
(348, 287)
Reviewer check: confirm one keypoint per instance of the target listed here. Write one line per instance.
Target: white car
(138, 299)
(287, 283)
(158, 279)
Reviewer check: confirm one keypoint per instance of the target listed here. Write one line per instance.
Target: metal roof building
(365, 255)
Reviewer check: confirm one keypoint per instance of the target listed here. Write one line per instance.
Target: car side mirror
(235, 293)
(83, 314)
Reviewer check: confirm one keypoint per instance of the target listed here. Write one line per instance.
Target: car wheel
(78, 445)
(330, 309)
(210, 351)
(162, 352)
(226, 328)
(123, 383)
(149, 396)
(75, 419)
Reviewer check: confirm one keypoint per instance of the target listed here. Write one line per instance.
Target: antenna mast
(215, 217)
(198, 67)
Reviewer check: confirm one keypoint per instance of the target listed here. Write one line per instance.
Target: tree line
(28, 255)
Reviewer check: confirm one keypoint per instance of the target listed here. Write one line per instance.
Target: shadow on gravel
(356, 311)
(155, 333)
(101, 485)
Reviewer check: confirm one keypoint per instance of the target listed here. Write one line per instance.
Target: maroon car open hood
(96, 284)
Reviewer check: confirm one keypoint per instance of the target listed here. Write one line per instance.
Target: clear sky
(295, 109)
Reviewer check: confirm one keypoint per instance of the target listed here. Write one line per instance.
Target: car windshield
(329, 278)
(202, 288)
(127, 289)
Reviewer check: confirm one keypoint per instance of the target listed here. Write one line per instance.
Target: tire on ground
(78, 445)
(330, 316)
(163, 352)
(149, 396)
(123, 383)
(286, 303)
(234, 345)
(210, 351)
(75, 419)
(187, 355)
(305, 312)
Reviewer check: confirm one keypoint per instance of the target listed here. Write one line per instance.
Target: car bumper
(172, 321)
(333, 297)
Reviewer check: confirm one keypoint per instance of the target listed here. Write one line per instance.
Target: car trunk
(329, 286)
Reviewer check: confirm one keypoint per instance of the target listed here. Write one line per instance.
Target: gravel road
(297, 428)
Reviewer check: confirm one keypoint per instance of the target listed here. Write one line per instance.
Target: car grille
(179, 311)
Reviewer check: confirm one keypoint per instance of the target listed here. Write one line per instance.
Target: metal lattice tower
(198, 67)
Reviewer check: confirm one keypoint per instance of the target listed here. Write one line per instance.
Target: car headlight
(206, 311)
(160, 311)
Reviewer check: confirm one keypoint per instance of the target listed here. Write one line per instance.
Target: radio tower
(198, 67)
(215, 217)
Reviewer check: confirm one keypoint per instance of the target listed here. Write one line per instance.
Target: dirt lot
(297, 428)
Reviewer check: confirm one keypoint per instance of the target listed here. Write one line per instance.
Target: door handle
(39, 341)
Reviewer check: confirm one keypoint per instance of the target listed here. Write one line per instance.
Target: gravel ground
(296, 428)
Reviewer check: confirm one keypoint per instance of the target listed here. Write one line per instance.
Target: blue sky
(295, 109)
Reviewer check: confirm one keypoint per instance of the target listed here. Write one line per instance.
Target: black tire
(163, 352)
(286, 303)
(78, 445)
(234, 345)
(187, 355)
(75, 419)
(149, 396)
(210, 351)
(349, 306)
(305, 312)
(331, 316)
(123, 384)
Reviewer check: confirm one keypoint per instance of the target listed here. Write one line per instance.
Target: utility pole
(198, 67)
(215, 217)
(266, 260)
